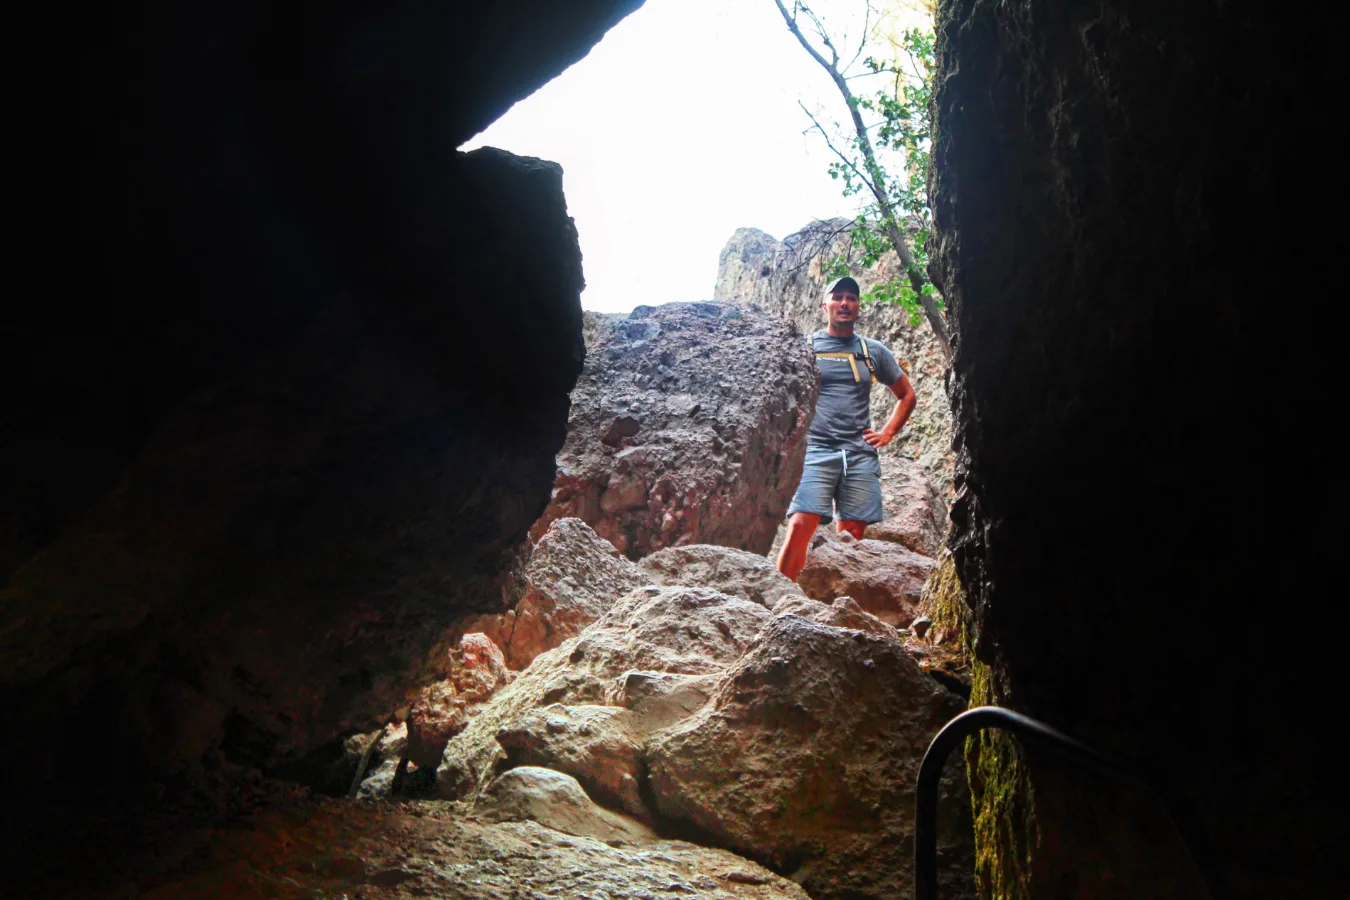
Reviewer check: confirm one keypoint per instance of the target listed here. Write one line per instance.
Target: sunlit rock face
(572, 578)
(688, 426)
(310, 404)
(785, 278)
(792, 736)
(1119, 250)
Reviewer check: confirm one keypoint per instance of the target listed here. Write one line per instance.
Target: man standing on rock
(842, 468)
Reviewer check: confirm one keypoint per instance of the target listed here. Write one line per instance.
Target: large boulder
(572, 578)
(737, 573)
(688, 426)
(252, 485)
(675, 630)
(794, 739)
(806, 758)
(885, 578)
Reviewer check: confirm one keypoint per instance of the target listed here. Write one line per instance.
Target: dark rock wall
(1139, 207)
(303, 402)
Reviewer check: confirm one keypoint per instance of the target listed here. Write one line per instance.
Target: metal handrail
(1038, 734)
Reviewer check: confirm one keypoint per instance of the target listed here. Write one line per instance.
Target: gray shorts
(848, 479)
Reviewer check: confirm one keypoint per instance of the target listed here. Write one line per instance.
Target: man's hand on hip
(877, 439)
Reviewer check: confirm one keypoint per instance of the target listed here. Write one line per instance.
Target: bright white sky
(681, 126)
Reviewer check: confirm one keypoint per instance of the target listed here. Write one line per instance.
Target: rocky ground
(303, 846)
(720, 703)
(710, 732)
(677, 718)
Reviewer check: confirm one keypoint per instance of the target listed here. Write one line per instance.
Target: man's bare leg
(852, 526)
(792, 558)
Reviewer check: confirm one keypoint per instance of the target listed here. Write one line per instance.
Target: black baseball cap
(845, 285)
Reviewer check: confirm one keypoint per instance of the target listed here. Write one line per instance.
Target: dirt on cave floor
(271, 839)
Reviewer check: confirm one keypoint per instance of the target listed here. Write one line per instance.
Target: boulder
(434, 718)
(597, 745)
(795, 740)
(688, 426)
(842, 612)
(806, 758)
(658, 699)
(667, 630)
(885, 578)
(572, 578)
(557, 801)
(737, 573)
(384, 763)
(441, 710)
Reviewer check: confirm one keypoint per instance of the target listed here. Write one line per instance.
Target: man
(842, 469)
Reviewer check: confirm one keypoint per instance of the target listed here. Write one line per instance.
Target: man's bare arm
(904, 394)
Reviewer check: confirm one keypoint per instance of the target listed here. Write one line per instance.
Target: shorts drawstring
(843, 455)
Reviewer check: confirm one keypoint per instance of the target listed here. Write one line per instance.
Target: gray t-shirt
(842, 410)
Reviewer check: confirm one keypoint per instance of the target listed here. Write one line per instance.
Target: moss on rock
(1002, 800)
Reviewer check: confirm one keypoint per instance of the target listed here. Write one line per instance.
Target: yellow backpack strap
(852, 362)
(867, 358)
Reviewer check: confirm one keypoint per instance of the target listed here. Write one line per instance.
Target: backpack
(851, 357)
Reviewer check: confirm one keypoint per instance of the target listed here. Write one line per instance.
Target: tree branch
(877, 184)
(835, 150)
(862, 44)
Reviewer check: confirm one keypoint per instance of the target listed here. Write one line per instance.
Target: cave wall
(1139, 219)
(301, 402)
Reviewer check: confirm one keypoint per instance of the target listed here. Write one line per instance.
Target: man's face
(841, 308)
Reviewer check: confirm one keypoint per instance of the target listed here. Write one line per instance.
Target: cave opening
(255, 472)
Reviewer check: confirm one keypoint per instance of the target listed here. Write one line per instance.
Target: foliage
(901, 138)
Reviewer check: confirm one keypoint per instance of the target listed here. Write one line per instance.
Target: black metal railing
(1041, 735)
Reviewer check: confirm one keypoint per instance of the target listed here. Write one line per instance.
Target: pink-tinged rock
(443, 709)
(688, 426)
(436, 716)
(572, 578)
(885, 579)
(480, 668)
